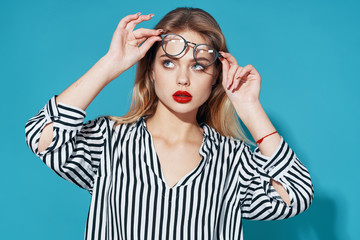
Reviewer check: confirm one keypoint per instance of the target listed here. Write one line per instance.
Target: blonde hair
(217, 111)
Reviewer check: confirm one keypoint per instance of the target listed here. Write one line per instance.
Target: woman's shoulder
(219, 139)
(109, 123)
(107, 127)
(117, 126)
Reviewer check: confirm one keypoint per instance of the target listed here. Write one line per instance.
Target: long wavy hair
(217, 111)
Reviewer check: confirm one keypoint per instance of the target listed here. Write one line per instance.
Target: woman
(176, 166)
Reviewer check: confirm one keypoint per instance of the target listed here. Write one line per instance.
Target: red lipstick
(182, 96)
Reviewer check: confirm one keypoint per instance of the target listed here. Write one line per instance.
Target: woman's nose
(183, 78)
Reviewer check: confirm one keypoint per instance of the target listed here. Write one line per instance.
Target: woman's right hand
(124, 51)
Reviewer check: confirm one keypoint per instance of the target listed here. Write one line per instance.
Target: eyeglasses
(174, 45)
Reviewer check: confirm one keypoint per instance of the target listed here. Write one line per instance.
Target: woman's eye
(168, 64)
(198, 67)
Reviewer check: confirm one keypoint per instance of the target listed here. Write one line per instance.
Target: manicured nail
(151, 15)
(160, 30)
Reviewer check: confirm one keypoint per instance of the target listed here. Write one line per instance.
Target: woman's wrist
(255, 119)
(249, 110)
(110, 67)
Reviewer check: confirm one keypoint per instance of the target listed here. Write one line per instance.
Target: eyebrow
(204, 59)
(176, 59)
(171, 57)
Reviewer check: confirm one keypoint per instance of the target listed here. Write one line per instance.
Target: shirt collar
(209, 133)
(211, 137)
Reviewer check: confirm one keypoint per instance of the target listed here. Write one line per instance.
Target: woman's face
(180, 83)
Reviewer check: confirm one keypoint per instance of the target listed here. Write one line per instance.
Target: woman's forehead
(191, 36)
(188, 35)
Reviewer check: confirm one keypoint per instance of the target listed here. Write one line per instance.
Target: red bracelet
(261, 139)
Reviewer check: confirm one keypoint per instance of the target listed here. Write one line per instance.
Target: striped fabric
(131, 200)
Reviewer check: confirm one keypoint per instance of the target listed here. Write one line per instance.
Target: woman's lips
(182, 96)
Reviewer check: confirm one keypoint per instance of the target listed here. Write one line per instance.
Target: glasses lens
(173, 44)
(205, 55)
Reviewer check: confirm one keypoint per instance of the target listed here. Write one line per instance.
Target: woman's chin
(177, 108)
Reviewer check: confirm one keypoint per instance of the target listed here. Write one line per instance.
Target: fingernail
(151, 15)
(160, 30)
(139, 13)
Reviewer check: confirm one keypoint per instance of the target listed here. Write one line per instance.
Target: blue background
(307, 53)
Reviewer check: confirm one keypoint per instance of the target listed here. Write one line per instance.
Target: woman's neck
(173, 126)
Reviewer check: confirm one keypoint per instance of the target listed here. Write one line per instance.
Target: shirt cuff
(63, 115)
(279, 163)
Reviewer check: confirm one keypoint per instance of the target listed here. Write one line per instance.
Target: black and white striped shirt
(130, 199)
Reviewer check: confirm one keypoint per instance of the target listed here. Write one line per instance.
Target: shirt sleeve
(259, 200)
(76, 148)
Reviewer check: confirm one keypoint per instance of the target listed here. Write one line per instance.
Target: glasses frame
(186, 45)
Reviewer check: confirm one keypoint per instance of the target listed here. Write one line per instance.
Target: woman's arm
(123, 53)
(242, 85)
(259, 200)
(80, 94)
(259, 125)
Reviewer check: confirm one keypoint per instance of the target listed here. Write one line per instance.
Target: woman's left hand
(241, 84)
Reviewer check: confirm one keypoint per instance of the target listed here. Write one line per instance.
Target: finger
(233, 68)
(123, 22)
(231, 59)
(144, 32)
(231, 74)
(132, 24)
(147, 44)
(237, 80)
(225, 70)
(246, 71)
(139, 41)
